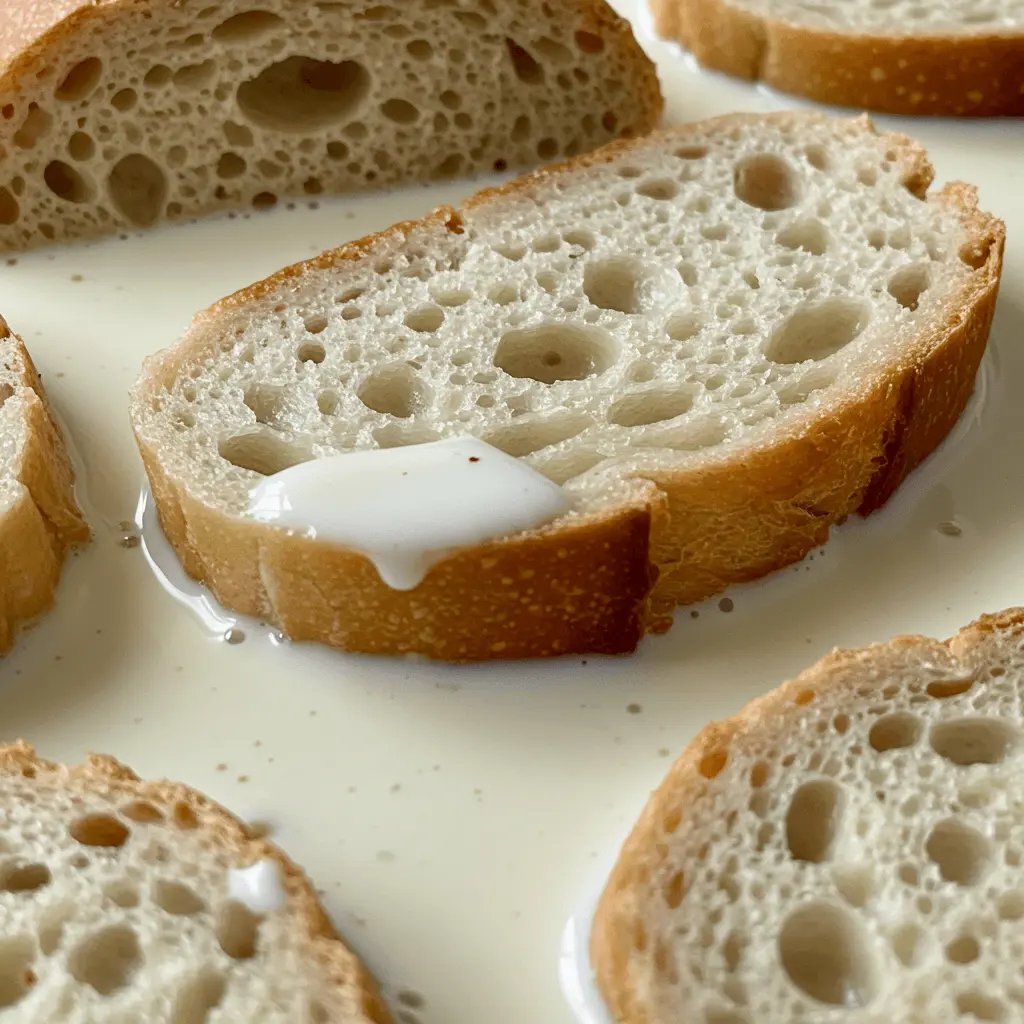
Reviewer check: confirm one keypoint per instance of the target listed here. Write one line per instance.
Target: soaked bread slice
(846, 848)
(948, 57)
(39, 517)
(720, 340)
(121, 903)
(123, 113)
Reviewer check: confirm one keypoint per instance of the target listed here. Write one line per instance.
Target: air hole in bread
(827, 955)
(944, 688)
(818, 157)
(895, 731)
(237, 930)
(80, 82)
(107, 959)
(813, 819)
(247, 27)
(1011, 905)
(328, 402)
(501, 294)
(17, 955)
(653, 405)
(532, 434)
(24, 877)
(67, 183)
(311, 352)
(231, 165)
(394, 390)
(717, 1016)
(817, 330)
(658, 188)
(138, 188)
(265, 401)
(99, 830)
(976, 254)
(526, 68)
(195, 76)
(452, 298)
(963, 950)
(767, 182)
(909, 943)
(426, 319)
(967, 741)
(36, 124)
(315, 324)
(980, 1006)
(799, 388)
(264, 201)
(675, 889)
(400, 111)
(81, 147)
(176, 898)
(810, 235)
(400, 435)
(124, 100)
(199, 996)
(712, 763)
(10, 211)
(122, 891)
(688, 272)
(961, 853)
(52, 920)
(157, 76)
(263, 451)
(555, 352)
(683, 326)
(300, 94)
(615, 284)
(855, 883)
(907, 286)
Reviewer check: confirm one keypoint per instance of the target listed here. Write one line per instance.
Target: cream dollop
(259, 887)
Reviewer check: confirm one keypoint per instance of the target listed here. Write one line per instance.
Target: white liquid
(407, 508)
(258, 887)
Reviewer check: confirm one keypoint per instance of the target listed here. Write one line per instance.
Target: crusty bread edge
(186, 808)
(962, 76)
(37, 532)
(618, 921)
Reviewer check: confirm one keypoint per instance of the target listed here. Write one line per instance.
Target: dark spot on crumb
(694, 614)
(474, 458)
(634, 709)
(411, 999)
(726, 604)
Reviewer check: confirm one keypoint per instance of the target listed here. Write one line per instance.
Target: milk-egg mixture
(457, 819)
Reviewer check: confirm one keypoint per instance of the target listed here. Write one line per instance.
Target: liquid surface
(455, 819)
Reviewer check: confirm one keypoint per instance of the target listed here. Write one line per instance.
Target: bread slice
(895, 56)
(119, 114)
(117, 906)
(846, 848)
(39, 517)
(720, 340)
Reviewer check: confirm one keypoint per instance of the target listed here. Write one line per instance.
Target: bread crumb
(634, 709)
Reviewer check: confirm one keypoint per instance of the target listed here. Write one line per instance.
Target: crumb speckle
(694, 614)
(663, 752)
(386, 856)
(634, 709)
(222, 767)
(243, 778)
(726, 604)
(411, 999)
(950, 528)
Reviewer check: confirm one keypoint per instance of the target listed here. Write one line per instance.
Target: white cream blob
(259, 887)
(407, 508)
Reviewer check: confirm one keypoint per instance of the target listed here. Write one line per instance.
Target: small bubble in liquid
(277, 638)
(234, 636)
(950, 528)
(726, 604)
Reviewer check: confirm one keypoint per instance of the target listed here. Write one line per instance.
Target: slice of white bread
(39, 517)
(847, 848)
(946, 57)
(721, 340)
(121, 113)
(115, 907)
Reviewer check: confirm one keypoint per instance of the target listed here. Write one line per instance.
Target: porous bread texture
(751, 327)
(846, 849)
(115, 908)
(117, 115)
(954, 57)
(39, 517)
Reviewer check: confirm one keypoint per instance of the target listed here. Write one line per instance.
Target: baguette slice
(720, 340)
(847, 848)
(947, 57)
(116, 907)
(118, 114)
(39, 517)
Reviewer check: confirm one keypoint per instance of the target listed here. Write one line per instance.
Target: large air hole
(909, 943)
(300, 94)
(526, 68)
(767, 182)
(247, 27)
(614, 284)
(99, 830)
(967, 741)
(962, 853)
(658, 188)
(426, 319)
(817, 331)
(827, 955)
(237, 931)
(400, 111)
(65, 182)
(690, 436)
(16, 975)
(555, 352)
(530, 434)
(107, 959)
(683, 326)
(907, 286)
(895, 732)
(401, 435)
(263, 451)
(813, 820)
(81, 80)
(394, 390)
(24, 877)
(653, 405)
(176, 898)
(799, 388)
(980, 1006)
(10, 211)
(36, 124)
(138, 188)
(198, 997)
(809, 235)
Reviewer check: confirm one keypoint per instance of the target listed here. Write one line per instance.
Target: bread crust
(44, 521)
(963, 76)
(638, 874)
(731, 519)
(100, 776)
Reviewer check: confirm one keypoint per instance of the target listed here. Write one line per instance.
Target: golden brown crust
(710, 526)
(620, 911)
(44, 522)
(969, 75)
(185, 808)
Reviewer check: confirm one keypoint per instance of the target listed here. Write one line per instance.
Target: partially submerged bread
(119, 114)
(721, 340)
(947, 57)
(39, 517)
(845, 849)
(117, 906)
